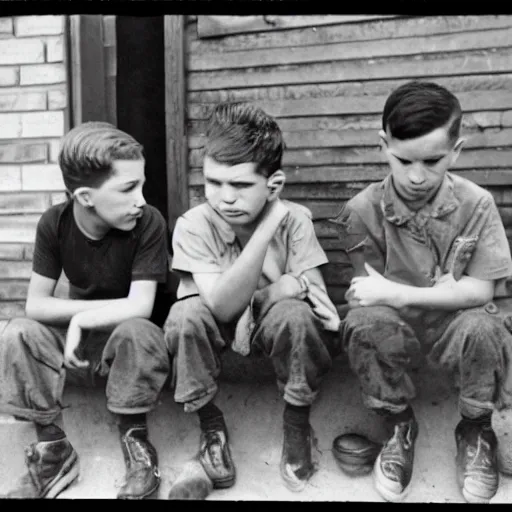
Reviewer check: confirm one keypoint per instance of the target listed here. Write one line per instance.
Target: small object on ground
(192, 483)
(355, 454)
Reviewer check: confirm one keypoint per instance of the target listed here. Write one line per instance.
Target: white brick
(29, 252)
(10, 126)
(20, 101)
(18, 228)
(12, 251)
(10, 177)
(55, 49)
(58, 197)
(12, 309)
(38, 25)
(21, 51)
(14, 290)
(6, 26)
(506, 120)
(42, 177)
(54, 150)
(42, 74)
(57, 99)
(8, 76)
(16, 203)
(42, 124)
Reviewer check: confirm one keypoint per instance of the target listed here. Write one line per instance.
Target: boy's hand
(373, 290)
(274, 213)
(73, 337)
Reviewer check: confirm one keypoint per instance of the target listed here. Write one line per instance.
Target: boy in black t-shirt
(112, 248)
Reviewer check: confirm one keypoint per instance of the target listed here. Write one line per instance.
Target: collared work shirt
(413, 247)
(203, 242)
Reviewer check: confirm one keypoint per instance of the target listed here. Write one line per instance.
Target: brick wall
(33, 118)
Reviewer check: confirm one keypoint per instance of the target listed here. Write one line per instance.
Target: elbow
(220, 313)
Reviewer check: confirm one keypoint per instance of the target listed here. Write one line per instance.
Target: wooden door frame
(175, 111)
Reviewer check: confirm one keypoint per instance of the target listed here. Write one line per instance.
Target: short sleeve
(491, 257)
(46, 260)
(305, 251)
(151, 256)
(191, 252)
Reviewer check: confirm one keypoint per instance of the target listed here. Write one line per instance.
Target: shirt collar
(397, 212)
(223, 228)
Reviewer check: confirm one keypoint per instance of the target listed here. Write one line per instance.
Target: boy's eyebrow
(433, 157)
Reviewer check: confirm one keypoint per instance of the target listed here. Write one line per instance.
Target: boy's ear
(83, 196)
(275, 183)
(383, 139)
(457, 149)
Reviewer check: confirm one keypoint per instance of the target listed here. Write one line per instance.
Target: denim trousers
(131, 358)
(300, 350)
(383, 346)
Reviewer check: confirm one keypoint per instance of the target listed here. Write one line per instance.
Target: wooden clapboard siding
(327, 85)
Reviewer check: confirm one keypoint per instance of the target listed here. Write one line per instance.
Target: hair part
(240, 132)
(88, 151)
(417, 108)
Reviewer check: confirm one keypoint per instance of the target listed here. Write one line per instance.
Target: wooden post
(177, 182)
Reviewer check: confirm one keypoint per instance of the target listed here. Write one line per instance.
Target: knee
(484, 332)
(17, 331)
(141, 332)
(293, 312)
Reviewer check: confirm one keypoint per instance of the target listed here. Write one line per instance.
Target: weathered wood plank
(221, 25)
(369, 173)
(470, 101)
(446, 43)
(421, 66)
(469, 159)
(175, 117)
(379, 87)
(365, 31)
(470, 121)
(350, 137)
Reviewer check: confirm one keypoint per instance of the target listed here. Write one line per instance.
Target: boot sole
(147, 495)
(471, 497)
(382, 484)
(291, 481)
(66, 476)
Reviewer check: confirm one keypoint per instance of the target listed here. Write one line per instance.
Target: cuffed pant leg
(32, 372)
(300, 350)
(137, 363)
(194, 340)
(477, 346)
(381, 347)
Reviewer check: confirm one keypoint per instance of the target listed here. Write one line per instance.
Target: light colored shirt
(203, 242)
(414, 247)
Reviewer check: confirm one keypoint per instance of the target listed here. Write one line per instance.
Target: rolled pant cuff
(376, 403)
(196, 403)
(40, 417)
(130, 410)
(301, 400)
(471, 408)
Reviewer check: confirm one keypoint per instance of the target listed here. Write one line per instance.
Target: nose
(227, 195)
(416, 174)
(140, 201)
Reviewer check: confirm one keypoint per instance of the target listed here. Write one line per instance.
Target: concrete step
(253, 412)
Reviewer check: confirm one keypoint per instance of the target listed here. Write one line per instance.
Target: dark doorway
(141, 96)
(140, 91)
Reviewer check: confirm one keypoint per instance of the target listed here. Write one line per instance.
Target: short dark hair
(417, 108)
(240, 132)
(88, 151)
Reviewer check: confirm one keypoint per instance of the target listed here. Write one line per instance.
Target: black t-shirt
(100, 269)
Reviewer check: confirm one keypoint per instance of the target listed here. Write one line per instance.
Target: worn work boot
(215, 457)
(296, 465)
(393, 468)
(477, 466)
(140, 457)
(52, 467)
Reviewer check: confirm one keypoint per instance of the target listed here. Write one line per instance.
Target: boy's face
(236, 192)
(119, 200)
(418, 166)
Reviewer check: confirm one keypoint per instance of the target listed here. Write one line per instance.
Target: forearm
(55, 310)
(461, 294)
(235, 287)
(112, 314)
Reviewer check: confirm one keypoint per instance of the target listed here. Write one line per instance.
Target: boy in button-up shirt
(429, 251)
(250, 280)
